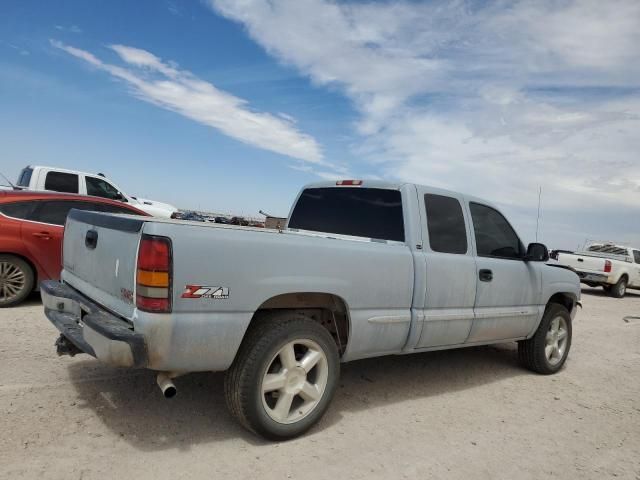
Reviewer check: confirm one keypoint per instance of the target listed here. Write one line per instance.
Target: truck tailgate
(582, 263)
(99, 258)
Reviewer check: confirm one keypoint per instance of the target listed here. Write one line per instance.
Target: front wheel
(546, 352)
(284, 376)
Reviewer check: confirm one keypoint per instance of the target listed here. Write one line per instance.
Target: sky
(234, 105)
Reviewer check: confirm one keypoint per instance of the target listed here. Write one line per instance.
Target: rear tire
(16, 280)
(619, 289)
(284, 376)
(547, 351)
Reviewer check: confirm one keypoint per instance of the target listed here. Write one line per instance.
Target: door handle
(485, 275)
(43, 235)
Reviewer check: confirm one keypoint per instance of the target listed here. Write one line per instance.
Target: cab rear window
(361, 212)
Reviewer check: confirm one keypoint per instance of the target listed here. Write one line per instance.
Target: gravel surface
(469, 413)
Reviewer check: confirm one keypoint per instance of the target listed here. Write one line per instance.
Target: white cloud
(71, 29)
(20, 50)
(586, 33)
(335, 172)
(167, 86)
(490, 98)
(173, 8)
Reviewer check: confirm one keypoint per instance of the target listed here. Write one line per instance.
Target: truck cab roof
(65, 170)
(384, 184)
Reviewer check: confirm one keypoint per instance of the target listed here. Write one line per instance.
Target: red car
(31, 228)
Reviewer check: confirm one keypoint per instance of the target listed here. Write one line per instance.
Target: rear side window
(494, 235)
(23, 210)
(636, 256)
(55, 211)
(445, 223)
(61, 182)
(361, 212)
(97, 187)
(25, 177)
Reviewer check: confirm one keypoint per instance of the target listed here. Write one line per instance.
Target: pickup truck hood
(560, 278)
(153, 207)
(559, 265)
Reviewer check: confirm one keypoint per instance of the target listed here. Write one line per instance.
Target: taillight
(607, 266)
(153, 277)
(355, 183)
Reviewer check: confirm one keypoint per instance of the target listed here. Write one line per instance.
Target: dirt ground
(469, 413)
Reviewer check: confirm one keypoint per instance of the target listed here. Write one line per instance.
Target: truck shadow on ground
(32, 299)
(599, 292)
(130, 404)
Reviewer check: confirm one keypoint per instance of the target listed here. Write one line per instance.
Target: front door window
(97, 187)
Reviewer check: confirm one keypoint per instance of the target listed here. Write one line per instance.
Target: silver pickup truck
(362, 269)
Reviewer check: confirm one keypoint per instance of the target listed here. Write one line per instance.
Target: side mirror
(536, 252)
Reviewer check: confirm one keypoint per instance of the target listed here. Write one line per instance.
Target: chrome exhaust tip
(167, 387)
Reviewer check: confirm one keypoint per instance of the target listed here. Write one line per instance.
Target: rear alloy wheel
(16, 280)
(620, 288)
(284, 376)
(293, 388)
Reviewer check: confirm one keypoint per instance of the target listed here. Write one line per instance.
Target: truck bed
(252, 265)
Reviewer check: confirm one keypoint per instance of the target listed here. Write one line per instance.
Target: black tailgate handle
(91, 239)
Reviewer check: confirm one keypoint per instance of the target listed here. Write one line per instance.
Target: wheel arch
(566, 299)
(328, 309)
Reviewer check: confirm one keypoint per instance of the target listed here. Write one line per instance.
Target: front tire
(284, 376)
(16, 280)
(619, 289)
(547, 351)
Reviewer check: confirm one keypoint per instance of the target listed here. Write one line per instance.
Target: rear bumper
(592, 277)
(91, 328)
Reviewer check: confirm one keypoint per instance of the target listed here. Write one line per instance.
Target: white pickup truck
(95, 185)
(362, 269)
(613, 267)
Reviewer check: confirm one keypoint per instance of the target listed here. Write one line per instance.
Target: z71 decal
(203, 291)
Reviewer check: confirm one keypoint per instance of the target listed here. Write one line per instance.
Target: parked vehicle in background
(363, 269)
(553, 254)
(613, 267)
(239, 221)
(31, 228)
(223, 220)
(192, 216)
(40, 178)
